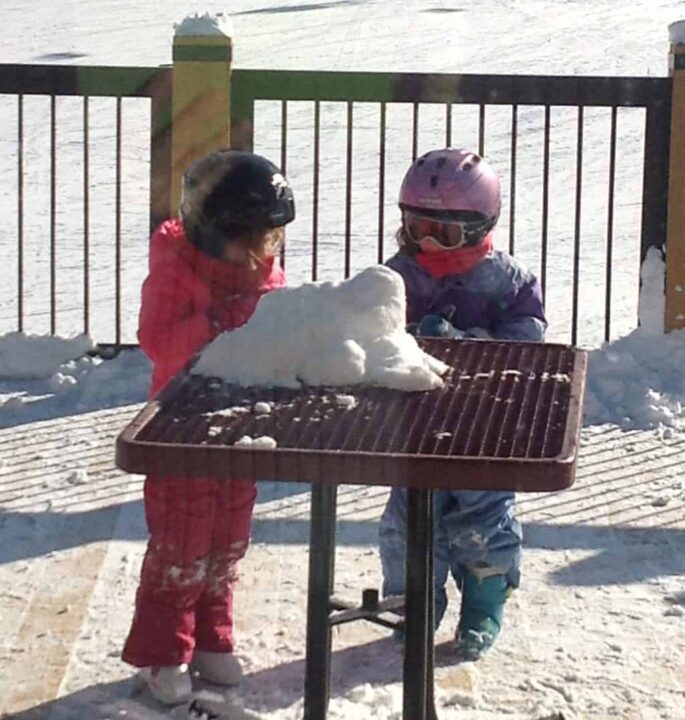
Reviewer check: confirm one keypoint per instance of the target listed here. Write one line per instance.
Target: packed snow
(327, 333)
(37, 356)
(596, 629)
(205, 25)
(676, 32)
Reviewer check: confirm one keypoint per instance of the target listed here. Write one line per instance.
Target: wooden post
(200, 104)
(675, 228)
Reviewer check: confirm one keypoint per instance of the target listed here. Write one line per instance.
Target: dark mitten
(437, 326)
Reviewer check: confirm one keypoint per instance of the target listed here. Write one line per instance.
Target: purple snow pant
(473, 531)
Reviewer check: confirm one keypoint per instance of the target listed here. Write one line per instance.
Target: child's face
(250, 251)
(236, 253)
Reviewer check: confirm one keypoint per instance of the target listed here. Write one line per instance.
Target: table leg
(431, 713)
(320, 588)
(419, 608)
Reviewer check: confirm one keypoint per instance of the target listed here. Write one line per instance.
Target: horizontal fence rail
(89, 85)
(506, 143)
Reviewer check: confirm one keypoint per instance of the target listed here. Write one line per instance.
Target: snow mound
(652, 299)
(327, 333)
(28, 356)
(638, 382)
(43, 377)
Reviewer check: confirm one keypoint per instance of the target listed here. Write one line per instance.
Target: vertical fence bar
(610, 223)
(655, 179)
(315, 193)
(381, 182)
(284, 136)
(415, 132)
(448, 125)
(481, 130)
(545, 202)
(284, 157)
(576, 232)
(53, 227)
(117, 229)
(512, 185)
(86, 221)
(20, 213)
(348, 191)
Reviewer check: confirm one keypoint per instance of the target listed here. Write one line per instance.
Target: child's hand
(437, 326)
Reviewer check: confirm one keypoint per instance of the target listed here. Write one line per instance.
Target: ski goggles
(446, 234)
(446, 231)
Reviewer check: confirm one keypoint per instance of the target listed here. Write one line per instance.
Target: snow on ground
(596, 630)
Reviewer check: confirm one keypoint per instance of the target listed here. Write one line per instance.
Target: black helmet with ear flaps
(228, 193)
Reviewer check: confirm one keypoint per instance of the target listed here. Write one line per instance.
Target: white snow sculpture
(327, 334)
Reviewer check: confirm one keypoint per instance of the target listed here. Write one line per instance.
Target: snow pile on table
(327, 333)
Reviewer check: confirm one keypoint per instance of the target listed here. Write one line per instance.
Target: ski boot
(482, 609)
(169, 685)
(221, 668)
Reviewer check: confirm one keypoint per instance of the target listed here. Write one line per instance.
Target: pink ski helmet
(453, 184)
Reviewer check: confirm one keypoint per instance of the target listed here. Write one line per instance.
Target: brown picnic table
(508, 418)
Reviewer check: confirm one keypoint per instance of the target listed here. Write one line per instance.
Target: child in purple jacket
(459, 286)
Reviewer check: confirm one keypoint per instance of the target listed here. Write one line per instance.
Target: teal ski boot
(482, 609)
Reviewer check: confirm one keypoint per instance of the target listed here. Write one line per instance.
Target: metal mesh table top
(508, 417)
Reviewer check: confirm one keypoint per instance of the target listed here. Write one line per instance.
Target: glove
(437, 326)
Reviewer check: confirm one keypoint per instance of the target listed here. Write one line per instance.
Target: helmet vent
(434, 180)
(470, 162)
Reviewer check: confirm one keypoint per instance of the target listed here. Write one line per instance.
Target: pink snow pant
(199, 529)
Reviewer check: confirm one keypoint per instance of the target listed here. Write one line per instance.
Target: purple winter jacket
(498, 295)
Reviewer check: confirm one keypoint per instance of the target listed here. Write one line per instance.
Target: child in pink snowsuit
(207, 271)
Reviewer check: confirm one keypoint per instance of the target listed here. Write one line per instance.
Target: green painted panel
(202, 53)
(82, 80)
(451, 88)
(304, 85)
(119, 81)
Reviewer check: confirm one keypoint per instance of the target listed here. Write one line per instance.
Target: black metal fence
(482, 95)
(337, 137)
(36, 250)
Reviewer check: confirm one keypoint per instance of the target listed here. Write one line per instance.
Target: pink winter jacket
(189, 297)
